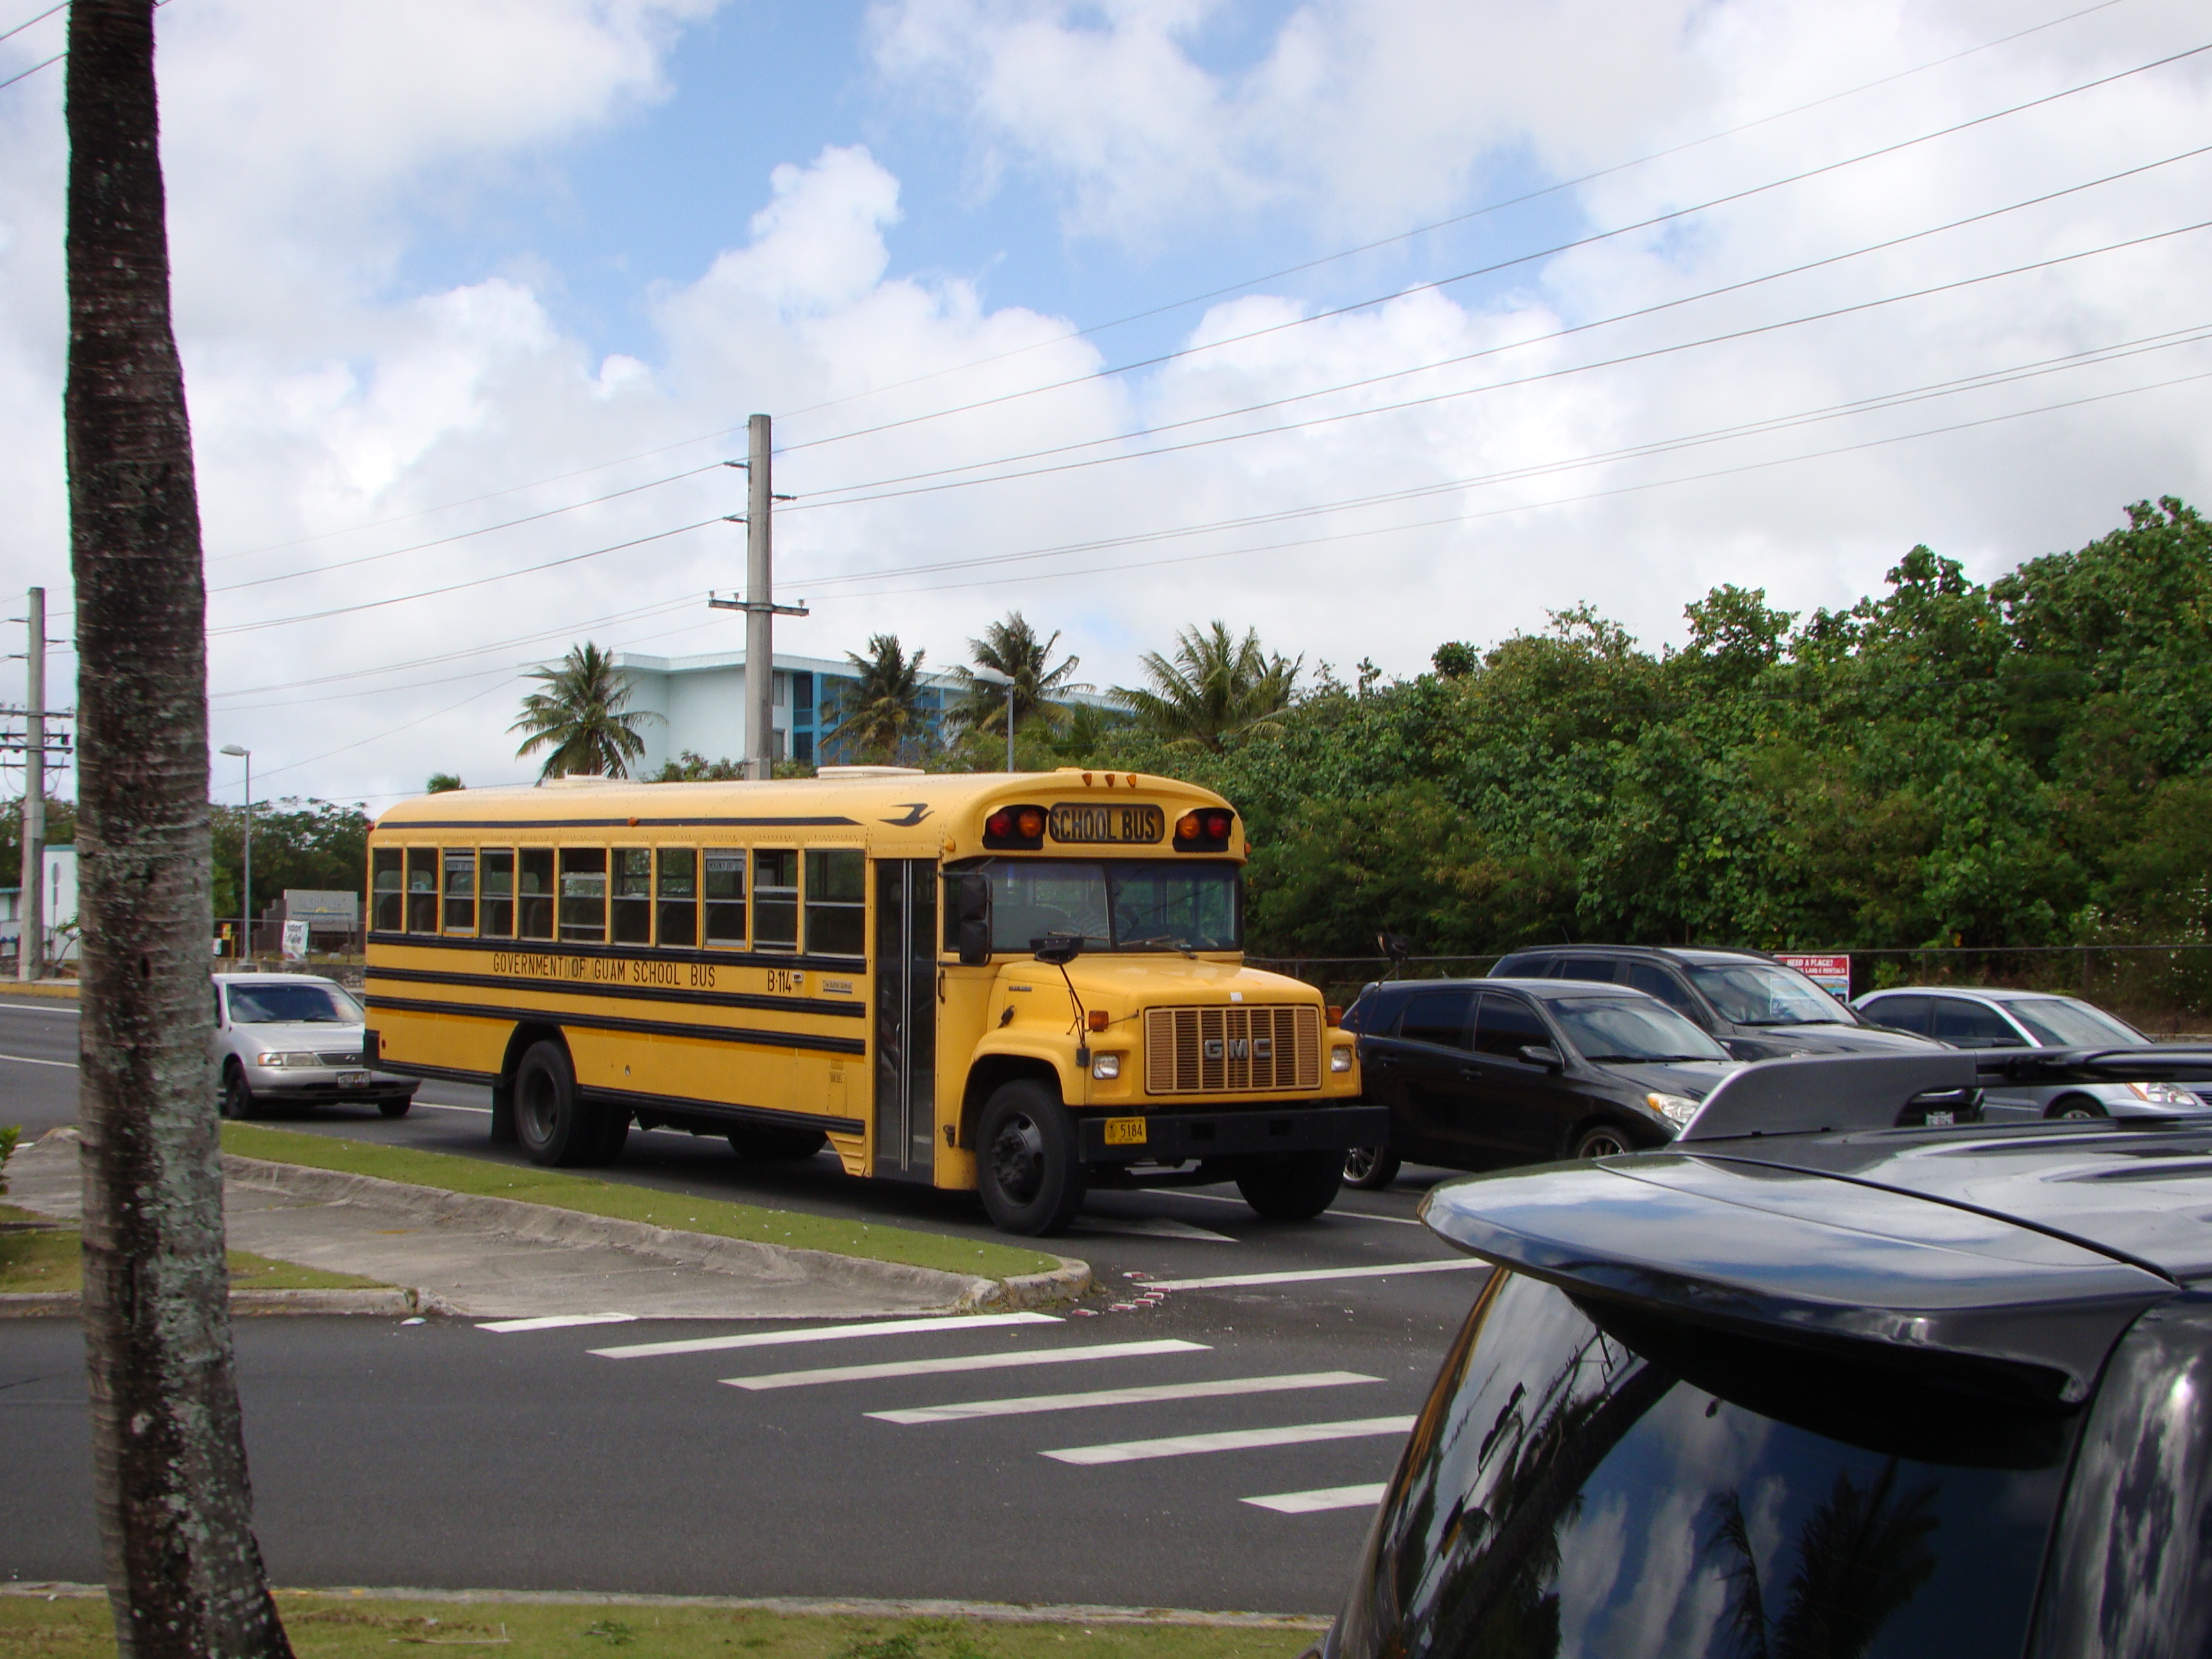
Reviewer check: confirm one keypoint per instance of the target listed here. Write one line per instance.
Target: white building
(60, 918)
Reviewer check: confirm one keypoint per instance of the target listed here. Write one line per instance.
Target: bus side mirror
(972, 900)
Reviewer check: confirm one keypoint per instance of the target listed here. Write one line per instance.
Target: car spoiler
(1958, 1298)
(1833, 1094)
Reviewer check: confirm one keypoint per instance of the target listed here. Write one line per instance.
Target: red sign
(1831, 974)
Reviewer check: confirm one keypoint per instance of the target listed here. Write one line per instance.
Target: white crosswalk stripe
(1310, 1275)
(554, 1323)
(824, 1333)
(1187, 1445)
(972, 1362)
(1321, 1499)
(1220, 1389)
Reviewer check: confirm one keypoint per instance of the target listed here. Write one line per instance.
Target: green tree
(692, 767)
(1213, 687)
(582, 717)
(880, 717)
(1012, 648)
(168, 1449)
(443, 783)
(317, 844)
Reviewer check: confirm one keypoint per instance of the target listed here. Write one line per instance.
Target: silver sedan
(295, 1040)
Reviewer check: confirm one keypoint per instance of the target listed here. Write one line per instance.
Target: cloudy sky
(1367, 325)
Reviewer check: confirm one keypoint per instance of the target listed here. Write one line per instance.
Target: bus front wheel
(554, 1126)
(1291, 1186)
(1026, 1162)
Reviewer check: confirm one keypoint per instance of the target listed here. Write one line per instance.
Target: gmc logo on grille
(1240, 1049)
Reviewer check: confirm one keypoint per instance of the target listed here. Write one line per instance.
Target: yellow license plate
(1125, 1132)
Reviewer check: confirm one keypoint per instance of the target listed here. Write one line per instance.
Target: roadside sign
(1831, 974)
(295, 941)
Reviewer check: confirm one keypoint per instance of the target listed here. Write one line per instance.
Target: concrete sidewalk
(494, 1258)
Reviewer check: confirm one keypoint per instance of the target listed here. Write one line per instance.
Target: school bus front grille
(1198, 1051)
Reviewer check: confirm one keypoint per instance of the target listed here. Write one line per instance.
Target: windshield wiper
(1168, 939)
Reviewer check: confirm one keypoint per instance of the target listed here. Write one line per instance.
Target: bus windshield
(1116, 904)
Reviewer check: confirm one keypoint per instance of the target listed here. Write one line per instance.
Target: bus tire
(1027, 1163)
(763, 1144)
(1291, 1186)
(613, 1135)
(553, 1125)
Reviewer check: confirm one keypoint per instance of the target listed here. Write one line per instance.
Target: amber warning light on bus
(1204, 831)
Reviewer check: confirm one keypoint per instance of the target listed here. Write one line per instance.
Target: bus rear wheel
(1026, 1162)
(554, 1126)
(1291, 1186)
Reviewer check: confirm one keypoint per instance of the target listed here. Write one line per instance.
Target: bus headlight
(1105, 1068)
(1677, 1109)
(1340, 1060)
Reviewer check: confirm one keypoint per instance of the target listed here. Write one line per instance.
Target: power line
(58, 55)
(41, 18)
(845, 495)
(1493, 269)
(2196, 334)
(33, 70)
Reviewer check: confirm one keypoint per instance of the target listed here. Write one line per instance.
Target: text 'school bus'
(1023, 983)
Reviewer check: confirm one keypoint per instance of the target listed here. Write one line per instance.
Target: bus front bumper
(1237, 1132)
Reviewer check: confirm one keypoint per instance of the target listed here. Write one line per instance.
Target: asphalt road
(456, 1455)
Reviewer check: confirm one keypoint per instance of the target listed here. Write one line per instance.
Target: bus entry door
(906, 1018)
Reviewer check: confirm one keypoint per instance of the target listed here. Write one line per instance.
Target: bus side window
(726, 895)
(460, 889)
(422, 889)
(496, 907)
(775, 898)
(836, 902)
(633, 896)
(535, 900)
(387, 884)
(584, 894)
(679, 895)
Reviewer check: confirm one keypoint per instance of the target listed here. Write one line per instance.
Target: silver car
(295, 1040)
(2029, 1019)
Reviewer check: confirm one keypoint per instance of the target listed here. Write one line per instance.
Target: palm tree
(169, 1448)
(1216, 686)
(880, 717)
(1012, 648)
(581, 714)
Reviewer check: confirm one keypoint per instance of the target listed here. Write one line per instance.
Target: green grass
(564, 1191)
(327, 1623)
(47, 1260)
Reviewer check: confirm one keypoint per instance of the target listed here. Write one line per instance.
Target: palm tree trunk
(183, 1572)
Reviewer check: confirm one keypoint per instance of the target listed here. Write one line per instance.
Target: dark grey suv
(1752, 1005)
(1832, 1375)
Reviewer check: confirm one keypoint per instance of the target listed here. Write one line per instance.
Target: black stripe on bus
(403, 827)
(441, 1073)
(555, 947)
(827, 1045)
(766, 1115)
(852, 1009)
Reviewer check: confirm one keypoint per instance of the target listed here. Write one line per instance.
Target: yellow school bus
(1027, 984)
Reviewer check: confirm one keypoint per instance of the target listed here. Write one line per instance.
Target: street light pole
(245, 902)
(993, 676)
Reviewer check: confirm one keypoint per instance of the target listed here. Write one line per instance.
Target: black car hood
(1784, 1040)
(1693, 1079)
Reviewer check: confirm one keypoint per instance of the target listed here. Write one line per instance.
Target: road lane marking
(1150, 1226)
(44, 1007)
(1142, 1396)
(1320, 1498)
(1304, 1275)
(1187, 1445)
(26, 1059)
(970, 1362)
(1341, 1215)
(824, 1333)
(553, 1323)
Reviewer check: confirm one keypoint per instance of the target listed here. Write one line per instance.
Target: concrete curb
(65, 989)
(383, 1304)
(544, 1223)
(1024, 1613)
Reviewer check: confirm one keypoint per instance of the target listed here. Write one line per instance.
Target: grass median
(561, 1190)
(331, 1623)
(39, 1255)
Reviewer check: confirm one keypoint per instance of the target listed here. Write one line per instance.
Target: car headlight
(1105, 1068)
(1340, 1060)
(2162, 1094)
(279, 1061)
(1677, 1109)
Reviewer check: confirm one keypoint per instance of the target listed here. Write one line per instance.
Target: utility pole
(31, 945)
(759, 603)
(245, 899)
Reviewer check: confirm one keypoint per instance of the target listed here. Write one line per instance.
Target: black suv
(1751, 1004)
(1832, 1375)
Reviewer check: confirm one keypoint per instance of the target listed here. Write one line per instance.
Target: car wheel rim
(1359, 1163)
(1602, 1146)
(2076, 1112)
(1018, 1158)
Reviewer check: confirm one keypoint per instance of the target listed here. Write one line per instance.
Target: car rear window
(1631, 1489)
(2063, 1023)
